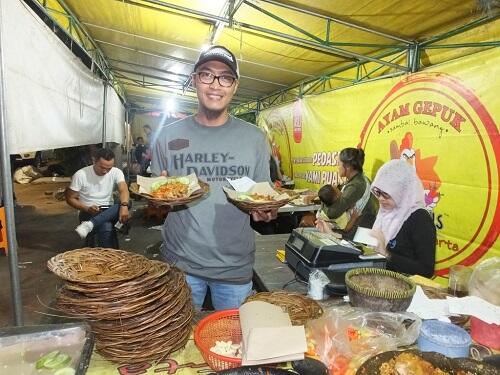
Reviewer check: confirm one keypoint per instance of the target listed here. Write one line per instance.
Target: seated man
(91, 192)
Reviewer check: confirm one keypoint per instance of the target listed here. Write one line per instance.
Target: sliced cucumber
(53, 361)
(61, 360)
(47, 357)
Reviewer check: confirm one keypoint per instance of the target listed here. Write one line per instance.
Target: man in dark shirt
(140, 150)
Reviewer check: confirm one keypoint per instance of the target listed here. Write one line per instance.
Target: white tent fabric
(115, 118)
(51, 99)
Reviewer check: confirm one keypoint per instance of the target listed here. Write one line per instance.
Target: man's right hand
(93, 210)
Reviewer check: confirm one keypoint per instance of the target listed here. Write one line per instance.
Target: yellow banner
(444, 121)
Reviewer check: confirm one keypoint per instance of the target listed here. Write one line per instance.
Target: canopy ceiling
(151, 45)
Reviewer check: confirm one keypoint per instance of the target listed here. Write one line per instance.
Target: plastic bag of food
(485, 281)
(344, 338)
(402, 328)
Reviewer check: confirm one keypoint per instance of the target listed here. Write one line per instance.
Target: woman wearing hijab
(404, 229)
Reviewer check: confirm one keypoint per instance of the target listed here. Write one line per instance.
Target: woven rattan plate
(300, 308)
(257, 206)
(98, 265)
(205, 188)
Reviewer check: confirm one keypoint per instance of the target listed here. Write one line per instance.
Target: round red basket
(222, 325)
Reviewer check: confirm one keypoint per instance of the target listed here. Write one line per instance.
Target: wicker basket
(379, 289)
(143, 310)
(222, 325)
(205, 188)
(300, 308)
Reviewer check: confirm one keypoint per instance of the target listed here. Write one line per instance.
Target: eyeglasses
(379, 193)
(208, 78)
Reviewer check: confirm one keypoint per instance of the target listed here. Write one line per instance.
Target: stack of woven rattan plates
(139, 309)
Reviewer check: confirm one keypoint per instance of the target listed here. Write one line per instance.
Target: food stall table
(189, 360)
(269, 273)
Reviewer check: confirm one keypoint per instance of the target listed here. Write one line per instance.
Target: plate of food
(261, 196)
(170, 191)
(294, 194)
(425, 363)
(305, 200)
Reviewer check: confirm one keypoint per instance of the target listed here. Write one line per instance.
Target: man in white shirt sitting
(91, 192)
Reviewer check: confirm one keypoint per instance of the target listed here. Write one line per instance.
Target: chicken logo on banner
(423, 166)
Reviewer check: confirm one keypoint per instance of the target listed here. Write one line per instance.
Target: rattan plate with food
(293, 194)
(262, 196)
(423, 363)
(259, 204)
(98, 265)
(305, 200)
(379, 289)
(170, 191)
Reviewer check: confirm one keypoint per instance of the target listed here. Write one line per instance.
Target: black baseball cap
(219, 53)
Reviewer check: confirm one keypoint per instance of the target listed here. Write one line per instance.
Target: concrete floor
(45, 227)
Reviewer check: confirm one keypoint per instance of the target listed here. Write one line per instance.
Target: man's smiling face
(213, 97)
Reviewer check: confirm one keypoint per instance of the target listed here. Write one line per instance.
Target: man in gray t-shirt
(211, 239)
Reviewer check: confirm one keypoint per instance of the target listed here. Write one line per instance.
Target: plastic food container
(484, 333)
(22, 347)
(445, 338)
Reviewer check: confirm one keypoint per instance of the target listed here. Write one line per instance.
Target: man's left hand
(124, 214)
(264, 215)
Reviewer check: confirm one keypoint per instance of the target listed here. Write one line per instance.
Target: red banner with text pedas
(443, 121)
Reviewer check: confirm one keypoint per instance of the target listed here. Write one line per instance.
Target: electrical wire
(296, 277)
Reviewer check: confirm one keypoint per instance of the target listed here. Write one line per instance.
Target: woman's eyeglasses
(379, 193)
(209, 78)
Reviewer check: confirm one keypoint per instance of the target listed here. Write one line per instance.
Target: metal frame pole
(8, 199)
(128, 143)
(104, 114)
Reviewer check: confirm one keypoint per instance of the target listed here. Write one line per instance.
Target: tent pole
(104, 115)
(128, 142)
(8, 200)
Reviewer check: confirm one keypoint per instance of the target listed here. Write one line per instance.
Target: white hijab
(398, 179)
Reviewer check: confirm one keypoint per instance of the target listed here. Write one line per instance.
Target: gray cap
(219, 53)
